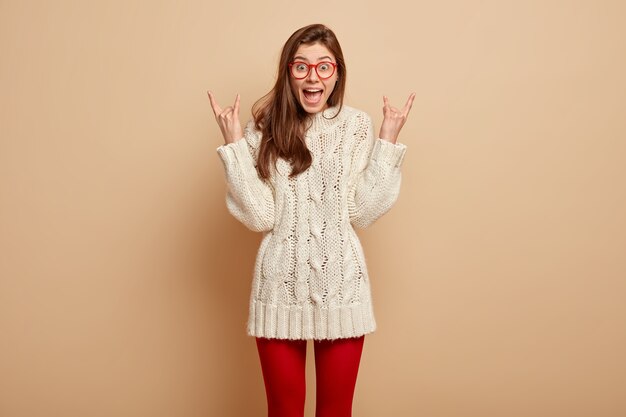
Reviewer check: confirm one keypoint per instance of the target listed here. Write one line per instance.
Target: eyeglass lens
(302, 69)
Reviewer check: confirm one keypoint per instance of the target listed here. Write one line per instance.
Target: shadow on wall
(218, 255)
(223, 253)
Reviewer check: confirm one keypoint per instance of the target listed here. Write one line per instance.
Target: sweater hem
(310, 322)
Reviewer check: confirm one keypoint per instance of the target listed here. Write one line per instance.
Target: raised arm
(249, 198)
(376, 163)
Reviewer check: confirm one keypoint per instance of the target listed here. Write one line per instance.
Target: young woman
(306, 171)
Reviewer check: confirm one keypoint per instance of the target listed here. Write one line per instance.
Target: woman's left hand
(394, 119)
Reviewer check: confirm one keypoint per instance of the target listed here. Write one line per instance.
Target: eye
(324, 66)
(301, 66)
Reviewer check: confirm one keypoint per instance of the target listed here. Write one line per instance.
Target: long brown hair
(279, 115)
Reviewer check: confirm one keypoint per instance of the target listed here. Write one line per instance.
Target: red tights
(336, 367)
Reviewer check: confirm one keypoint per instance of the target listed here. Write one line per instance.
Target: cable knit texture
(310, 277)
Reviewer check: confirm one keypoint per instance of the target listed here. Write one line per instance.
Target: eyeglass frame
(309, 66)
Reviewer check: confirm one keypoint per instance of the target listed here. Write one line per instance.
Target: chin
(313, 109)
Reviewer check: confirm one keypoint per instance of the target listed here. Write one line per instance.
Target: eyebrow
(319, 59)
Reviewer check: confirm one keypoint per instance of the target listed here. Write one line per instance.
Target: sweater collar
(328, 113)
(325, 118)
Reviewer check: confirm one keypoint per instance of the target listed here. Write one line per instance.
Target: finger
(393, 112)
(216, 108)
(236, 109)
(226, 112)
(408, 105)
(385, 101)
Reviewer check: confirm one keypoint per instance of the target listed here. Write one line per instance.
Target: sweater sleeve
(376, 181)
(249, 199)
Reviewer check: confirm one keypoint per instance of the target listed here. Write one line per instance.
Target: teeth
(312, 91)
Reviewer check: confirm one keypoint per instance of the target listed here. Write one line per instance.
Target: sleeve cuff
(236, 154)
(388, 153)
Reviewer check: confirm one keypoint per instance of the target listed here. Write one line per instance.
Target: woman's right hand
(227, 119)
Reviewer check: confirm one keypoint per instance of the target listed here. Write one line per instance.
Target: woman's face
(312, 91)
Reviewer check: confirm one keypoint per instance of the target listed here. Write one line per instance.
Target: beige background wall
(499, 277)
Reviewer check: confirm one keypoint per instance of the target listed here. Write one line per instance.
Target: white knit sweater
(310, 277)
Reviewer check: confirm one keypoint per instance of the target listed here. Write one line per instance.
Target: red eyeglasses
(301, 70)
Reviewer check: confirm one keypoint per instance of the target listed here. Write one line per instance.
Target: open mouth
(312, 95)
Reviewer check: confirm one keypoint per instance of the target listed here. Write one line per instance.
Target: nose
(312, 77)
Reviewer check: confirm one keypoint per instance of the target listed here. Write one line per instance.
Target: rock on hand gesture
(394, 119)
(227, 119)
